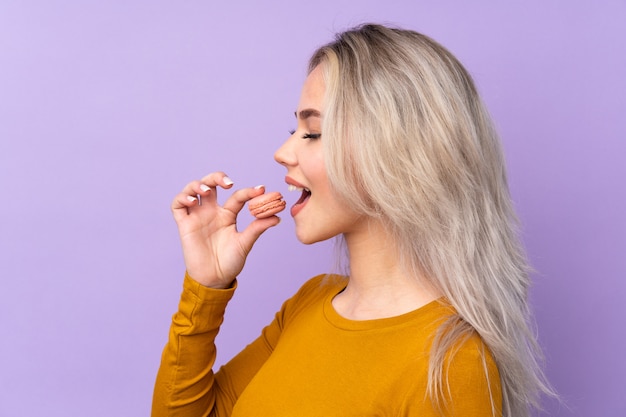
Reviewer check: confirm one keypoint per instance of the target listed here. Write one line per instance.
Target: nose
(285, 155)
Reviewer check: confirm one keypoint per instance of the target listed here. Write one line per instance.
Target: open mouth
(304, 197)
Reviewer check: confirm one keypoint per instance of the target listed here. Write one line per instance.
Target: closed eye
(307, 135)
(311, 136)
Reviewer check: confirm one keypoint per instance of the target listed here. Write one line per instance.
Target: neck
(379, 286)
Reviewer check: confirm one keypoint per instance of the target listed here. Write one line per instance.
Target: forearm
(185, 381)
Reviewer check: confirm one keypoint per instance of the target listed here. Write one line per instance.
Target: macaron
(266, 205)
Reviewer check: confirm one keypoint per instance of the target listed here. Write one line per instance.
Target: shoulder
(313, 292)
(473, 379)
(472, 356)
(320, 286)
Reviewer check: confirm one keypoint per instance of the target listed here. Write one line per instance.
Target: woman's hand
(214, 251)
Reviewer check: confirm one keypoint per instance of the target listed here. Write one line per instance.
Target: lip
(291, 181)
(296, 208)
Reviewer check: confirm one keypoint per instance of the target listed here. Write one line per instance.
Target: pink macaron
(266, 205)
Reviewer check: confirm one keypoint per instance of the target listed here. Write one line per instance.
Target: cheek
(317, 168)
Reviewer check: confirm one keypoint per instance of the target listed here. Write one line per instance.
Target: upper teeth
(294, 188)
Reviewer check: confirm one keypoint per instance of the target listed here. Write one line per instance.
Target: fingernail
(227, 181)
(205, 188)
(258, 187)
(190, 198)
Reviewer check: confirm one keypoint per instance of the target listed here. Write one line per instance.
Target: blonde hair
(408, 140)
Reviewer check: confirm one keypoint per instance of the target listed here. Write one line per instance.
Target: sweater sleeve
(474, 382)
(185, 384)
(471, 386)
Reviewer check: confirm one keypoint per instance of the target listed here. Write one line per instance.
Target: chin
(307, 240)
(311, 238)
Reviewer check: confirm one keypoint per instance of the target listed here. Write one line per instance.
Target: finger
(207, 184)
(206, 188)
(182, 203)
(196, 193)
(201, 191)
(218, 178)
(239, 198)
(255, 229)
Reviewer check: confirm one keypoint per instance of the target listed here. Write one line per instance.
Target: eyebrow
(306, 113)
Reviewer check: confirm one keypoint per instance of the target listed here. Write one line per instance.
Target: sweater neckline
(423, 315)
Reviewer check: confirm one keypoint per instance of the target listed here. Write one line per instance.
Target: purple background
(108, 108)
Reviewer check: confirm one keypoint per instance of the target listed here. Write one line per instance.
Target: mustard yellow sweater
(310, 361)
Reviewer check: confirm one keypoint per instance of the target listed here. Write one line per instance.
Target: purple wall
(108, 109)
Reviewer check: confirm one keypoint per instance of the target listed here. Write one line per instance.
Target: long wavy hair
(408, 140)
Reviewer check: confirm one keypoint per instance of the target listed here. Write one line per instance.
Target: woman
(395, 154)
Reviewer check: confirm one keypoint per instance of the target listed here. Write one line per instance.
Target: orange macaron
(266, 205)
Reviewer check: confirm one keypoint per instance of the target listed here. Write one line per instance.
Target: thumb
(255, 229)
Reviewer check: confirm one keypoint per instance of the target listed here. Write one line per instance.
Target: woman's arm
(185, 384)
(214, 253)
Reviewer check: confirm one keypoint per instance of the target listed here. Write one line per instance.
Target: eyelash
(308, 135)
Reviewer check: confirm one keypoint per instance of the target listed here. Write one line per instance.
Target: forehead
(312, 95)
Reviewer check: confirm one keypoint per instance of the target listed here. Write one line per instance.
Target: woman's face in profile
(318, 213)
